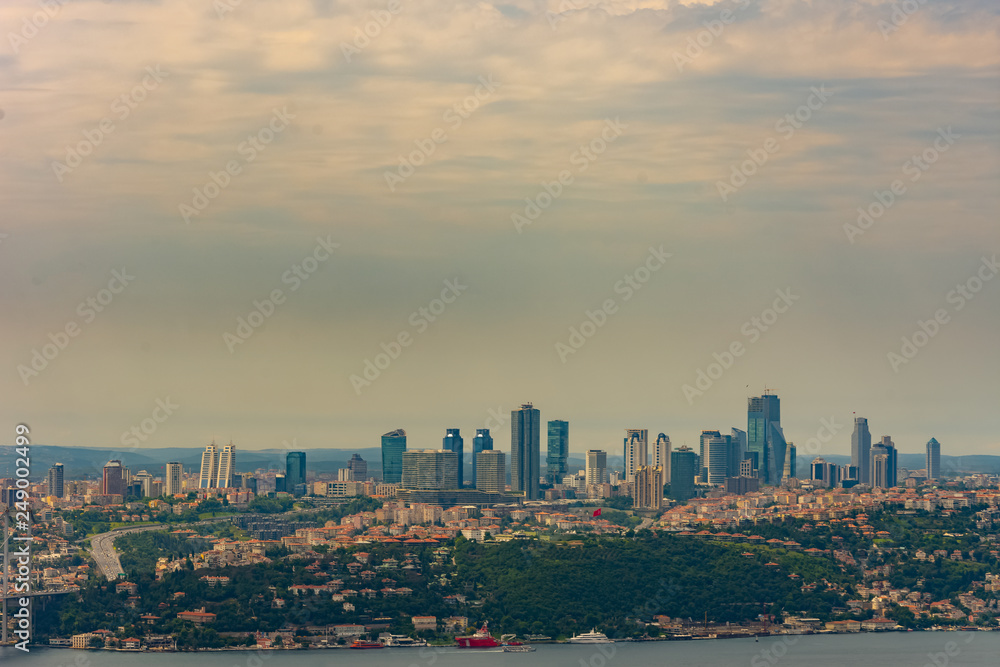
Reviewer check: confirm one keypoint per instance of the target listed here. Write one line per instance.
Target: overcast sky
(427, 155)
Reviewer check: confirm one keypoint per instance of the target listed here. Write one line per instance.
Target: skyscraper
(739, 437)
(648, 488)
(703, 440)
(557, 453)
(861, 445)
(453, 443)
(525, 451)
(295, 473)
(790, 454)
(145, 482)
(491, 470)
(431, 469)
(55, 480)
(113, 479)
(217, 468)
(683, 463)
(883, 464)
(279, 483)
(393, 446)
(765, 437)
(358, 467)
(636, 451)
(597, 466)
(933, 459)
(661, 455)
(172, 478)
(718, 464)
(483, 442)
(249, 482)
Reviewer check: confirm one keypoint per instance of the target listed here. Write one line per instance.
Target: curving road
(102, 548)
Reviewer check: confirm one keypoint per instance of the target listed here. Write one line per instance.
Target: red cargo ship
(481, 639)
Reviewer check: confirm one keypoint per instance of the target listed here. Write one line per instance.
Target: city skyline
(394, 295)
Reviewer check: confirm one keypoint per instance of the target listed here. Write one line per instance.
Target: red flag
(597, 512)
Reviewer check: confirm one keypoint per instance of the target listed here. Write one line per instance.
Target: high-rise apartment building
(55, 481)
(430, 469)
(933, 459)
(683, 463)
(597, 467)
(393, 446)
(648, 488)
(765, 437)
(217, 467)
(113, 479)
(483, 442)
(145, 482)
(172, 476)
(525, 451)
(491, 470)
(557, 452)
(295, 473)
(861, 445)
(636, 452)
(661, 455)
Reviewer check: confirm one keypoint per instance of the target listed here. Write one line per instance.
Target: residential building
(217, 468)
(173, 473)
(661, 455)
(648, 488)
(636, 452)
(597, 467)
(55, 481)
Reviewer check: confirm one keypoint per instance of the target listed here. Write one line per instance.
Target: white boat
(400, 641)
(592, 637)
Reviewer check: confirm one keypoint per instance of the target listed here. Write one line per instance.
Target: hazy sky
(418, 153)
